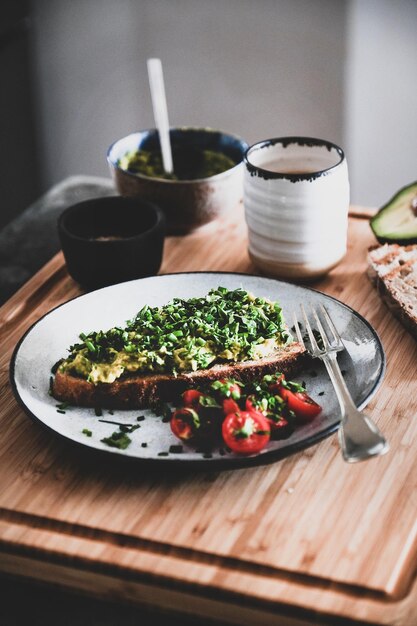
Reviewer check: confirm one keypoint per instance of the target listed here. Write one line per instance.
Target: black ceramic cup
(111, 240)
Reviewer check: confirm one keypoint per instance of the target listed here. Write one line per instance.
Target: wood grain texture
(305, 536)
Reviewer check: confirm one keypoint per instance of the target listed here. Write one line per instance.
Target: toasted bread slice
(393, 270)
(141, 391)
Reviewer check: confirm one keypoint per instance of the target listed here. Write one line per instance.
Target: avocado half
(396, 221)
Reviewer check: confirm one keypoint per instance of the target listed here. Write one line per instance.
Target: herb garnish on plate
(183, 335)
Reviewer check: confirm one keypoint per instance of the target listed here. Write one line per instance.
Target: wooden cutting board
(307, 538)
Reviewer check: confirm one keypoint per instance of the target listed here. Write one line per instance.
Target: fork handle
(336, 376)
(359, 437)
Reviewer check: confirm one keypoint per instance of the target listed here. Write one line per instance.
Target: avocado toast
(165, 350)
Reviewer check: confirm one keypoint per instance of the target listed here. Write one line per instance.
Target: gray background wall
(343, 70)
(380, 132)
(258, 69)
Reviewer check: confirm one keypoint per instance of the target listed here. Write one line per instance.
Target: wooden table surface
(309, 539)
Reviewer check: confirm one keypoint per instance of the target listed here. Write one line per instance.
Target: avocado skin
(393, 205)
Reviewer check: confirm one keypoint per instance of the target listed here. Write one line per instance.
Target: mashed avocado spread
(191, 165)
(181, 336)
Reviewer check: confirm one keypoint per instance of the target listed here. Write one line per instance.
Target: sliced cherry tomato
(246, 433)
(185, 423)
(275, 385)
(191, 397)
(230, 406)
(227, 388)
(277, 424)
(252, 404)
(300, 402)
(281, 428)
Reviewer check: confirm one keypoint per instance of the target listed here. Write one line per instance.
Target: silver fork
(359, 438)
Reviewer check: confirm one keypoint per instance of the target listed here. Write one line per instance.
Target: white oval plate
(363, 364)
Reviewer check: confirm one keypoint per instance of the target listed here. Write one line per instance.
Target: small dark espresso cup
(111, 240)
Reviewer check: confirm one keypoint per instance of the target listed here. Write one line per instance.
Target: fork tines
(321, 341)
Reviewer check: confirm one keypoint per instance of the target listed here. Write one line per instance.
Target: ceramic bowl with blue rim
(207, 182)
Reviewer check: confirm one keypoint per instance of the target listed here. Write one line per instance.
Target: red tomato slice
(280, 429)
(185, 423)
(229, 389)
(300, 402)
(276, 386)
(252, 405)
(246, 433)
(191, 397)
(230, 406)
(277, 424)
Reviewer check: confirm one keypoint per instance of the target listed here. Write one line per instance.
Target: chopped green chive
(62, 406)
(185, 334)
(125, 428)
(118, 440)
(129, 428)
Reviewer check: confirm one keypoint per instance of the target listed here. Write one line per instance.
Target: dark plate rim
(204, 464)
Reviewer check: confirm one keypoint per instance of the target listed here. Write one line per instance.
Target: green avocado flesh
(396, 221)
(189, 164)
(183, 335)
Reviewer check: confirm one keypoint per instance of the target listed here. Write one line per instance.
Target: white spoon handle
(160, 111)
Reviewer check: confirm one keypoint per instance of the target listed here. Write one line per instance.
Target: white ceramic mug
(296, 198)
